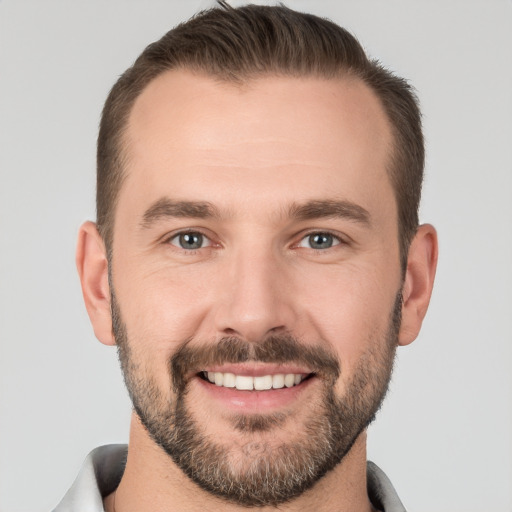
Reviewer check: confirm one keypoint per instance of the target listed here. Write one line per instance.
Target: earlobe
(92, 266)
(418, 283)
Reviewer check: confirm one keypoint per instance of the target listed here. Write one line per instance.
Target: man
(257, 259)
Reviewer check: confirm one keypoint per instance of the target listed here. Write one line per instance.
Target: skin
(253, 151)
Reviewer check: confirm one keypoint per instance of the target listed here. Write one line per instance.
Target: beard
(260, 472)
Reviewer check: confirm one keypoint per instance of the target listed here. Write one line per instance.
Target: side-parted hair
(239, 44)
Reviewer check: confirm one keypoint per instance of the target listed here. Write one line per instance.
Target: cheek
(351, 311)
(158, 303)
(160, 312)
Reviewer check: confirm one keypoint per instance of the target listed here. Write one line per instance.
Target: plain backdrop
(444, 435)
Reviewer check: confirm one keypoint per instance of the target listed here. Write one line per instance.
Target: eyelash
(336, 238)
(169, 239)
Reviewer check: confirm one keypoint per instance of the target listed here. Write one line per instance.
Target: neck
(152, 482)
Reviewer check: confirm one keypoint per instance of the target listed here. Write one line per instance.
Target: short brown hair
(237, 44)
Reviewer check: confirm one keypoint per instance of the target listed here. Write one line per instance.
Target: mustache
(276, 349)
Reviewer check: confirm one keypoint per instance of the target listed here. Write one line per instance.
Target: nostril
(280, 329)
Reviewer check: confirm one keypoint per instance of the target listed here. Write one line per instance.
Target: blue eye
(319, 241)
(190, 240)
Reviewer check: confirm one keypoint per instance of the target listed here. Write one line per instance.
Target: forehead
(286, 136)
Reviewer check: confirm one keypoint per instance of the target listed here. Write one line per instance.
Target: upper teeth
(245, 382)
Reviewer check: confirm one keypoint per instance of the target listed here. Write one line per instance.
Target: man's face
(256, 246)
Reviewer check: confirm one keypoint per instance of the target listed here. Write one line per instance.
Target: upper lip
(256, 369)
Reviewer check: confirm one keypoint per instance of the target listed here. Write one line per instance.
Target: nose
(257, 297)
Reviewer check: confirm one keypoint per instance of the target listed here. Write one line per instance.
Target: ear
(92, 265)
(418, 283)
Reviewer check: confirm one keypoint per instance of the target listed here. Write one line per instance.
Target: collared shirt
(103, 468)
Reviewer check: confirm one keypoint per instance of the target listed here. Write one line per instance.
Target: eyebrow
(330, 208)
(316, 209)
(166, 208)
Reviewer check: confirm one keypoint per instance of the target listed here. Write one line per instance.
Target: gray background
(444, 435)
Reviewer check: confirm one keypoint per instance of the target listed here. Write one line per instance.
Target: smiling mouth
(259, 383)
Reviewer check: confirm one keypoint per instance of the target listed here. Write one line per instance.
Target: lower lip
(255, 401)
